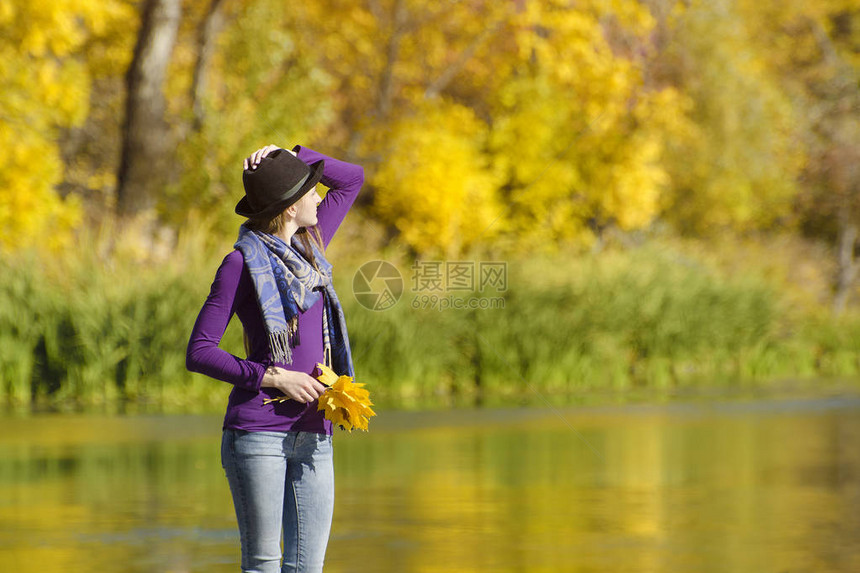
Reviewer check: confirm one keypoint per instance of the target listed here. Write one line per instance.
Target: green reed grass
(84, 333)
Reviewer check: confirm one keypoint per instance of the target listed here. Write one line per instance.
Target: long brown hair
(307, 236)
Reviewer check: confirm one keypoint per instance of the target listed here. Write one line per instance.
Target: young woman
(278, 456)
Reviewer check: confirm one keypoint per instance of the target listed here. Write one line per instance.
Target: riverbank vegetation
(77, 333)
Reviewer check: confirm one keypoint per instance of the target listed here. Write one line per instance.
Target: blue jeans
(280, 480)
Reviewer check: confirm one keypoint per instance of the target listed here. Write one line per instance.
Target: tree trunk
(449, 73)
(386, 88)
(206, 35)
(145, 134)
(847, 265)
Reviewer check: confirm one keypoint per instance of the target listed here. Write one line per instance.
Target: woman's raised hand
(253, 160)
(295, 385)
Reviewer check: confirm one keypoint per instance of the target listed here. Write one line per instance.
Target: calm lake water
(745, 485)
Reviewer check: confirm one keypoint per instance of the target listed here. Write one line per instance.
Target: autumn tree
(241, 79)
(436, 185)
(818, 65)
(563, 139)
(300, 83)
(49, 54)
(145, 135)
(736, 164)
(518, 123)
(575, 131)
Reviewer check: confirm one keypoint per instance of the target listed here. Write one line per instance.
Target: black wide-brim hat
(279, 180)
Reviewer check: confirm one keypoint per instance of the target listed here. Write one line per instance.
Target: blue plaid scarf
(286, 283)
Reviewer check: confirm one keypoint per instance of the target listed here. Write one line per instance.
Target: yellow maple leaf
(327, 375)
(345, 403)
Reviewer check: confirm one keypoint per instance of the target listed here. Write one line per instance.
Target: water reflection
(747, 486)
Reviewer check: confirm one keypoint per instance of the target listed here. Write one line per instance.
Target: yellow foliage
(562, 140)
(31, 214)
(544, 129)
(385, 57)
(46, 87)
(784, 29)
(578, 137)
(737, 162)
(435, 185)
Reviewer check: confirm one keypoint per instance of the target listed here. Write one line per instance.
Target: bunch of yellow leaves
(345, 403)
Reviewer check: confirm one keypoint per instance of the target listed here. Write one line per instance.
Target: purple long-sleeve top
(233, 292)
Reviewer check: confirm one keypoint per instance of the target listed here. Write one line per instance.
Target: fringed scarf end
(281, 351)
(282, 342)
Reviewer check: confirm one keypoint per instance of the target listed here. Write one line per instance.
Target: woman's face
(306, 208)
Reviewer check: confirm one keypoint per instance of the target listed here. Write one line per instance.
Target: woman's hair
(306, 235)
